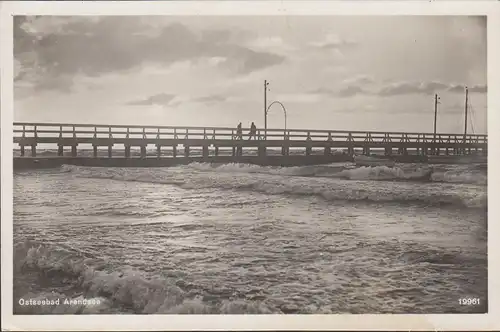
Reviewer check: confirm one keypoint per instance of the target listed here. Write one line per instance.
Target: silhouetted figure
(253, 131)
(239, 131)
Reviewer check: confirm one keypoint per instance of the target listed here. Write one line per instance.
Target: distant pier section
(135, 145)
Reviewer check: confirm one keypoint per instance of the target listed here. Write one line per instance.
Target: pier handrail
(214, 132)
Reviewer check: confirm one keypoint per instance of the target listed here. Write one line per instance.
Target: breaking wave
(350, 172)
(119, 290)
(332, 183)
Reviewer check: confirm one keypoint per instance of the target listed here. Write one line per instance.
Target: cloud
(428, 88)
(333, 42)
(161, 99)
(210, 99)
(95, 46)
(348, 91)
(364, 85)
(359, 80)
(275, 44)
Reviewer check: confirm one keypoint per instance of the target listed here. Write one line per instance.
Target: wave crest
(331, 185)
(124, 290)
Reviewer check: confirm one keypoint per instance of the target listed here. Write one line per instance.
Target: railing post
(308, 146)
(110, 146)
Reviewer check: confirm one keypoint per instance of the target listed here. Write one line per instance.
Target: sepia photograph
(249, 164)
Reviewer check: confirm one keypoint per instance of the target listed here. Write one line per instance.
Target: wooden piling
(262, 151)
(158, 150)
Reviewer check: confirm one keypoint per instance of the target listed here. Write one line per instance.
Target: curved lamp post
(267, 111)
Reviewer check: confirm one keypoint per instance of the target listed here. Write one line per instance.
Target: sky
(330, 72)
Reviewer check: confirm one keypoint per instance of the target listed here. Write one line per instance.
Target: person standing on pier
(239, 131)
(253, 131)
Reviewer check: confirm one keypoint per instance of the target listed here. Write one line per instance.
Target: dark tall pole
(435, 113)
(265, 108)
(466, 105)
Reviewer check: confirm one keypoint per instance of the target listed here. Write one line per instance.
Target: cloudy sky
(331, 72)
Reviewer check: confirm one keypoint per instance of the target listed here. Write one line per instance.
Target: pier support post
(60, 150)
(186, 151)
(205, 151)
(22, 150)
(216, 152)
(234, 151)
(174, 151)
(239, 151)
(285, 149)
(328, 151)
(143, 151)
(33, 150)
(110, 151)
(308, 150)
(262, 151)
(73, 150)
(366, 151)
(447, 151)
(158, 150)
(388, 151)
(95, 150)
(350, 150)
(127, 151)
(438, 151)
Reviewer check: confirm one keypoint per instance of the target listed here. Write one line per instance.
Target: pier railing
(93, 131)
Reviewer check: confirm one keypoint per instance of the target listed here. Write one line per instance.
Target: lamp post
(266, 83)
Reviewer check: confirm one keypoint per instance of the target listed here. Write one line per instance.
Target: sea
(245, 239)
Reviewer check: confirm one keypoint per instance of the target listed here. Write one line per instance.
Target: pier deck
(220, 144)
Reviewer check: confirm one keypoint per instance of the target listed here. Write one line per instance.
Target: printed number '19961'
(468, 301)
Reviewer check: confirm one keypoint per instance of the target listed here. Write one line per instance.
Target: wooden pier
(219, 144)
